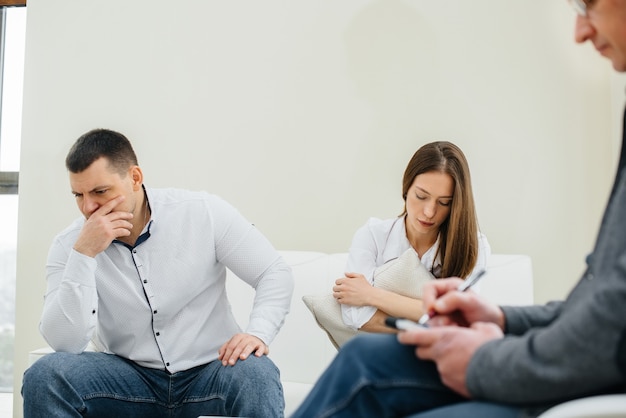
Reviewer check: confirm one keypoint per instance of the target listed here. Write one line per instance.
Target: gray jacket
(570, 349)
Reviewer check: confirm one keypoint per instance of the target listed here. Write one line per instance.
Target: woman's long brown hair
(458, 235)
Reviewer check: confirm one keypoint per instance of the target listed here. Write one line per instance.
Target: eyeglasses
(581, 6)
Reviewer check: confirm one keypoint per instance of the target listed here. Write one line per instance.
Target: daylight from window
(12, 83)
(10, 134)
(8, 239)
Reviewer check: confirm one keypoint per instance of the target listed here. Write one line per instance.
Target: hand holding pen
(466, 285)
(463, 287)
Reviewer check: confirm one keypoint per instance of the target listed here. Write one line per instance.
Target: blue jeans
(375, 376)
(105, 385)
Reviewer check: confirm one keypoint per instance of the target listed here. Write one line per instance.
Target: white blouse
(379, 241)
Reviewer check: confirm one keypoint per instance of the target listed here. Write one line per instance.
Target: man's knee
(253, 387)
(46, 367)
(45, 373)
(363, 346)
(258, 369)
(52, 367)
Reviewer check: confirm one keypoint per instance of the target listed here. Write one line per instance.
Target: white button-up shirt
(163, 303)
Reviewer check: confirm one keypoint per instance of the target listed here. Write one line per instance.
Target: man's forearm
(70, 306)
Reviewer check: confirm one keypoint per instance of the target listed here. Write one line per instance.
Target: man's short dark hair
(97, 143)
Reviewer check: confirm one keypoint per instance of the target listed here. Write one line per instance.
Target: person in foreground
(142, 275)
(481, 360)
(438, 222)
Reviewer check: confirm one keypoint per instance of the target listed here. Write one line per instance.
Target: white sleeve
(361, 259)
(69, 314)
(249, 254)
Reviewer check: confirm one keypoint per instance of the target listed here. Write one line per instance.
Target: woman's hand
(354, 289)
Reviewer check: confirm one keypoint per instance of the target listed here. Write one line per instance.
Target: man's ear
(137, 177)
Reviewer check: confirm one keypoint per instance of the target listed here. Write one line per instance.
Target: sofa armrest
(509, 280)
(603, 406)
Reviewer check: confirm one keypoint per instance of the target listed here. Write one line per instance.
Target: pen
(402, 324)
(462, 288)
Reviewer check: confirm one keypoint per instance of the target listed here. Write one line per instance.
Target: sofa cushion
(404, 275)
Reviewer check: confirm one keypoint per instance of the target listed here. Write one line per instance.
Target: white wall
(304, 115)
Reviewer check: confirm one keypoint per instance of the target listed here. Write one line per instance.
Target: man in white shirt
(142, 276)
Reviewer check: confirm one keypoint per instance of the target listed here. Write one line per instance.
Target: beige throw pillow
(327, 313)
(404, 275)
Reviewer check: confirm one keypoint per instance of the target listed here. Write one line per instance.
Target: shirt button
(167, 364)
(154, 312)
(158, 333)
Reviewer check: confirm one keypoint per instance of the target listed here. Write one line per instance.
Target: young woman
(438, 221)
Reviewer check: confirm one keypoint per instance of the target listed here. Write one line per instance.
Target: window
(12, 42)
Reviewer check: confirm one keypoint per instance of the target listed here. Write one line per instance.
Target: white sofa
(302, 350)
